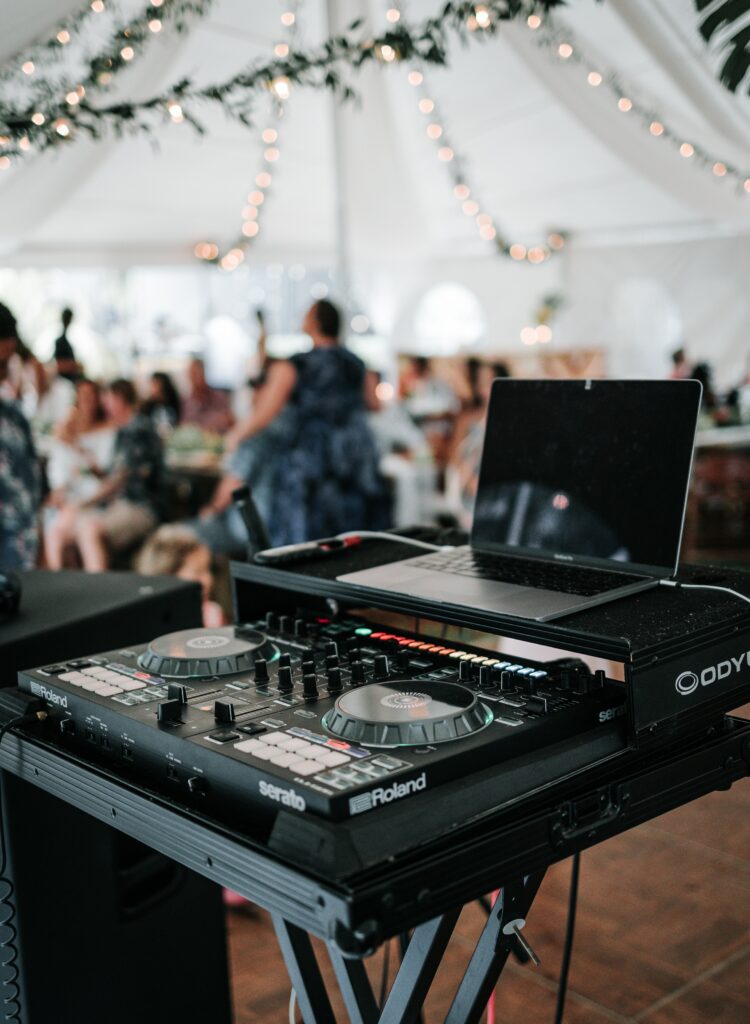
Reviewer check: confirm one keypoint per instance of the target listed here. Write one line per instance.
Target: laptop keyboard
(541, 575)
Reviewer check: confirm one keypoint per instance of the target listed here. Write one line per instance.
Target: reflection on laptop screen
(588, 469)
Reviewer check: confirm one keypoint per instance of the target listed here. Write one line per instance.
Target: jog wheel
(406, 712)
(193, 653)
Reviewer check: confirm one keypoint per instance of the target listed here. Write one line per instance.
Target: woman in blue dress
(325, 467)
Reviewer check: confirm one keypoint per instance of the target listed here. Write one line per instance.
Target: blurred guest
(432, 404)
(19, 469)
(64, 356)
(77, 457)
(163, 405)
(207, 407)
(327, 476)
(125, 506)
(174, 550)
(681, 368)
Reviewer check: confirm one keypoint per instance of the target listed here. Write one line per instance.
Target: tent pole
(342, 273)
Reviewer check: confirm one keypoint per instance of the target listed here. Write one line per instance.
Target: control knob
(465, 673)
(507, 682)
(358, 673)
(310, 685)
(381, 667)
(334, 684)
(285, 682)
(485, 676)
(261, 671)
(224, 711)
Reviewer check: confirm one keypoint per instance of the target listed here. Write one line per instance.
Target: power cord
(9, 986)
(562, 987)
(397, 537)
(704, 586)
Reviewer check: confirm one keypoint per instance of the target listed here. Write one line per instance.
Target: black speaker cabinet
(108, 930)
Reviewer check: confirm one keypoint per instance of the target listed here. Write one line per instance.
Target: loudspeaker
(107, 929)
(71, 614)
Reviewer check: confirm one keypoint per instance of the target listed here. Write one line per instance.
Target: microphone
(257, 534)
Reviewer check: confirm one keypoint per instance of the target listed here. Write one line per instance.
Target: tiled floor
(663, 933)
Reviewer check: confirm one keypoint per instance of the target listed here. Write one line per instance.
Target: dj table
(408, 866)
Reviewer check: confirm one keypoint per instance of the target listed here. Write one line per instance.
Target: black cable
(8, 951)
(562, 988)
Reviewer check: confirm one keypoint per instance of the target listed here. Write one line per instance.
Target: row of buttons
(100, 681)
(361, 773)
(294, 753)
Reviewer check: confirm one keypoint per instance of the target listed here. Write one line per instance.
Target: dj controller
(330, 717)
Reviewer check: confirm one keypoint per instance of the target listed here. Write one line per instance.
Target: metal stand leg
(495, 944)
(421, 955)
(304, 973)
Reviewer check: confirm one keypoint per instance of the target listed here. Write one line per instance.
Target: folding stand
(421, 960)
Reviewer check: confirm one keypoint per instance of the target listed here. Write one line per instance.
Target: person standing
(20, 478)
(327, 478)
(64, 355)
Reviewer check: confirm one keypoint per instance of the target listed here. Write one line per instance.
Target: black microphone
(257, 533)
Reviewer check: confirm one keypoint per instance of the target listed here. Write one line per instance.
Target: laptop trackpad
(436, 586)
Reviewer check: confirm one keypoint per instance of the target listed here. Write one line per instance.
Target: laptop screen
(587, 471)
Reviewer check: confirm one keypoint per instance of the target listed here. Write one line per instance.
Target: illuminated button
(332, 759)
(283, 760)
(376, 636)
(249, 746)
(305, 767)
(263, 752)
(132, 684)
(293, 744)
(107, 691)
(362, 631)
(457, 654)
(275, 737)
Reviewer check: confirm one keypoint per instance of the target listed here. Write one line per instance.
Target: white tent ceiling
(543, 149)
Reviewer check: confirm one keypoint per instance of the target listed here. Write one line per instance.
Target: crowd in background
(88, 470)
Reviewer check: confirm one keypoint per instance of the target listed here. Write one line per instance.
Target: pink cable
(491, 1003)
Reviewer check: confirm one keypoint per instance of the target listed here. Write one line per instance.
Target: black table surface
(660, 619)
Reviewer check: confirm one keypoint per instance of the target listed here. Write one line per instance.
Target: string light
(528, 335)
(480, 19)
(97, 6)
(28, 67)
(393, 15)
(24, 143)
(554, 240)
(175, 111)
(72, 98)
(280, 88)
(746, 185)
(557, 39)
(62, 126)
(4, 163)
(127, 53)
(154, 25)
(544, 333)
(63, 37)
(386, 53)
(38, 118)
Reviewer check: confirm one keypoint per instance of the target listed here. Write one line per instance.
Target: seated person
(206, 407)
(174, 550)
(163, 406)
(77, 458)
(125, 506)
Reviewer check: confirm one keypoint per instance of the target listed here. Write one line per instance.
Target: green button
(363, 631)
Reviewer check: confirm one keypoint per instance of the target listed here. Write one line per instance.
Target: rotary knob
(334, 684)
(402, 660)
(485, 677)
(310, 686)
(285, 682)
(331, 647)
(507, 682)
(465, 673)
(285, 660)
(381, 667)
(300, 628)
(358, 673)
(283, 623)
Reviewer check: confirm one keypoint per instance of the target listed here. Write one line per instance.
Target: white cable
(382, 535)
(292, 1007)
(704, 586)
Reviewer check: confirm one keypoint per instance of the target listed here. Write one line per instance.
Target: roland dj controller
(333, 718)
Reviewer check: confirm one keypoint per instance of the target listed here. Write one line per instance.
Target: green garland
(322, 67)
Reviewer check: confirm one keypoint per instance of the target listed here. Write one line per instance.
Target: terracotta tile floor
(663, 934)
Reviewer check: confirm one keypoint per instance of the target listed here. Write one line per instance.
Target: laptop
(580, 500)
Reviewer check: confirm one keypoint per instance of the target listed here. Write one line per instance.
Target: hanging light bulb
(594, 78)
(426, 106)
(28, 67)
(250, 213)
(470, 208)
(446, 154)
(656, 128)
(63, 127)
(63, 37)
(544, 334)
(4, 163)
(528, 335)
(175, 111)
(385, 53)
(24, 143)
(281, 50)
(271, 154)
(38, 118)
(250, 228)
(263, 180)
(269, 135)
(533, 21)
(624, 104)
(154, 25)
(288, 19)
(434, 130)
(719, 169)
(487, 232)
(517, 251)
(415, 78)
(127, 53)
(686, 149)
(97, 6)
(565, 50)
(256, 198)
(72, 98)
(393, 14)
(555, 240)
